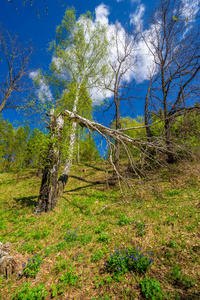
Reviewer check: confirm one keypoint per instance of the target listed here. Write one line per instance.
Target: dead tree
(122, 64)
(15, 57)
(174, 44)
(50, 187)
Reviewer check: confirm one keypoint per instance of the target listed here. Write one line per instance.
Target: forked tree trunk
(47, 199)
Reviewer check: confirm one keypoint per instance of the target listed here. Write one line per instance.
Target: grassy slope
(171, 233)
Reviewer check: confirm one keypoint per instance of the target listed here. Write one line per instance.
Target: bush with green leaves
(151, 289)
(69, 278)
(103, 237)
(26, 293)
(124, 221)
(97, 255)
(32, 267)
(127, 260)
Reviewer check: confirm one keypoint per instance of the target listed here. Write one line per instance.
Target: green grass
(74, 241)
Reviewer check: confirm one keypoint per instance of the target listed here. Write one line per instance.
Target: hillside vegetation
(75, 252)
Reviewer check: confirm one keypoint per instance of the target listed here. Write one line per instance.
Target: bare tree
(14, 58)
(125, 46)
(173, 41)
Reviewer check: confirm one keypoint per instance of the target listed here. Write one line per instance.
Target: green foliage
(32, 267)
(97, 255)
(172, 244)
(151, 289)
(180, 278)
(127, 260)
(124, 221)
(85, 239)
(58, 289)
(104, 237)
(99, 229)
(26, 293)
(60, 266)
(20, 148)
(68, 278)
(186, 130)
(60, 246)
(87, 148)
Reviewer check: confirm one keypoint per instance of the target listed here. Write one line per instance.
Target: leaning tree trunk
(47, 198)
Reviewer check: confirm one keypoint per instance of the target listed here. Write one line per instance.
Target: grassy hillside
(74, 252)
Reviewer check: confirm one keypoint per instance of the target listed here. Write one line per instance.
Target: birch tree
(79, 55)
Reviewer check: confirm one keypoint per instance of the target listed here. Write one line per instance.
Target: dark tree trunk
(48, 190)
(146, 111)
(47, 198)
(171, 158)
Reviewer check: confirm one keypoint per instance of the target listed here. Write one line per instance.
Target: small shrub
(124, 221)
(32, 267)
(40, 234)
(97, 255)
(60, 266)
(27, 293)
(172, 244)
(151, 289)
(66, 225)
(71, 236)
(60, 246)
(126, 260)
(85, 239)
(58, 289)
(172, 193)
(69, 278)
(99, 229)
(104, 237)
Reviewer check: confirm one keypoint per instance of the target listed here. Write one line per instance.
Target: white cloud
(102, 13)
(136, 17)
(138, 70)
(43, 91)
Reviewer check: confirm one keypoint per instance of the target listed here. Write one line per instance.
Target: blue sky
(41, 31)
